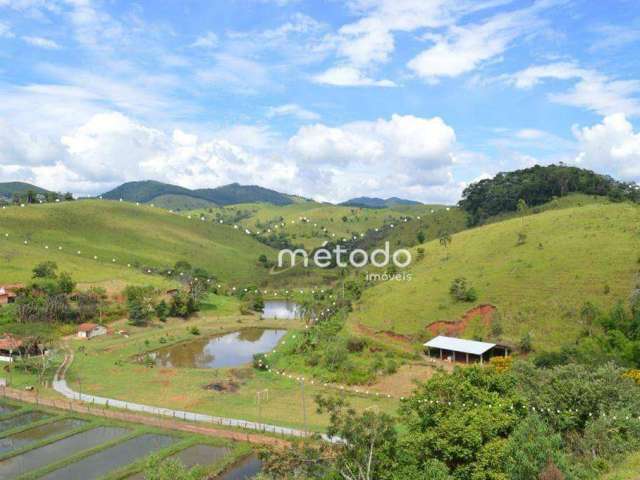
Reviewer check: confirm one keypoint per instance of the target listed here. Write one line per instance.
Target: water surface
(99, 464)
(192, 456)
(19, 440)
(53, 452)
(227, 350)
(20, 420)
(281, 310)
(246, 468)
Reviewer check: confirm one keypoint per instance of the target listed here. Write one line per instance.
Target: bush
(462, 291)
(355, 344)
(194, 330)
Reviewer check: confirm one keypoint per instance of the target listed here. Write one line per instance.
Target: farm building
(9, 347)
(7, 295)
(460, 350)
(90, 330)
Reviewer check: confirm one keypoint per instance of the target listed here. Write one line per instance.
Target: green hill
(130, 234)
(8, 189)
(570, 255)
(165, 194)
(374, 202)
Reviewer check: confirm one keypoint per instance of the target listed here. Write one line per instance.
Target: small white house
(90, 330)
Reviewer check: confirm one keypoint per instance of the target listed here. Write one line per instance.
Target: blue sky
(327, 99)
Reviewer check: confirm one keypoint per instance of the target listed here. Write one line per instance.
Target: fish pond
(220, 351)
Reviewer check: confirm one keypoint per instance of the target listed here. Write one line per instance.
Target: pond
(6, 409)
(32, 435)
(281, 310)
(20, 420)
(194, 455)
(225, 350)
(246, 468)
(53, 452)
(99, 464)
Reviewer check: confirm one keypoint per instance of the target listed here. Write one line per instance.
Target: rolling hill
(569, 256)
(175, 197)
(374, 202)
(120, 233)
(8, 189)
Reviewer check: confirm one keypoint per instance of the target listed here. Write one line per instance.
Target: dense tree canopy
(535, 186)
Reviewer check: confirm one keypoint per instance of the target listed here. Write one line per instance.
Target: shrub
(355, 344)
(461, 291)
(194, 330)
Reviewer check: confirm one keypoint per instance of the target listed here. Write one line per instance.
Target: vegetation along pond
(225, 350)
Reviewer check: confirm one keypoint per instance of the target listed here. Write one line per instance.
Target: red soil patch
(456, 327)
(400, 340)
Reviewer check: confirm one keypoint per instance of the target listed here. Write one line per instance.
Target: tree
(45, 270)
(368, 449)
(170, 469)
(589, 314)
(526, 343)
(421, 237)
(162, 310)
(66, 284)
(140, 304)
(531, 447)
(445, 240)
(461, 291)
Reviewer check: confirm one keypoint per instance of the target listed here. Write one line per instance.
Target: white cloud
(41, 42)
(5, 31)
(241, 75)
(402, 154)
(346, 76)
(293, 110)
(610, 146)
(463, 49)
(208, 40)
(591, 90)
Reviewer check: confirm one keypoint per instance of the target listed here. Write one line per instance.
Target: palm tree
(445, 241)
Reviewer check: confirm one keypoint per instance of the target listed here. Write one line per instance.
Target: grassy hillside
(127, 233)
(9, 188)
(311, 223)
(570, 256)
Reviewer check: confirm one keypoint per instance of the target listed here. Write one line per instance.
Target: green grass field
(311, 223)
(120, 233)
(106, 366)
(571, 255)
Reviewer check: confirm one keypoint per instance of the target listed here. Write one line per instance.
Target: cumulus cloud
(208, 40)
(346, 76)
(592, 90)
(404, 155)
(41, 42)
(292, 110)
(611, 145)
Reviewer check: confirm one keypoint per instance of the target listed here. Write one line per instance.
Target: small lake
(220, 351)
(281, 310)
(245, 469)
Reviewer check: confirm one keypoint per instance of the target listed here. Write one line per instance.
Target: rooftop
(459, 345)
(86, 327)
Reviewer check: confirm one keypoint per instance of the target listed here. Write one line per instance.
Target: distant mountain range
(175, 197)
(166, 194)
(374, 202)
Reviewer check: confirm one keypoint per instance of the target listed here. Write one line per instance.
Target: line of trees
(538, 185)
